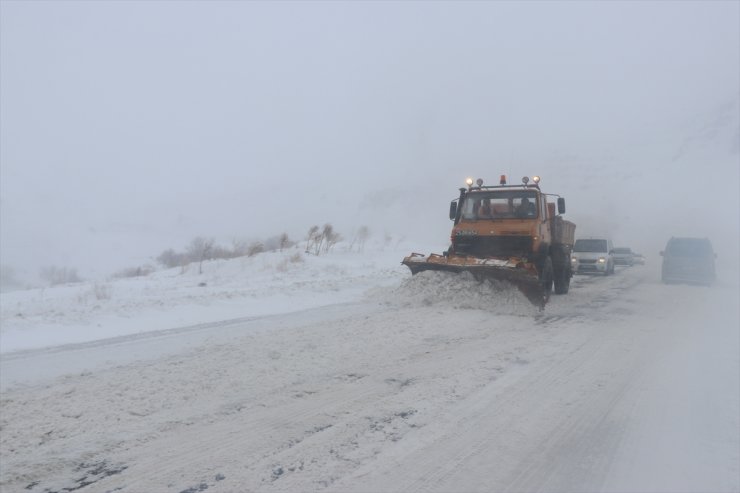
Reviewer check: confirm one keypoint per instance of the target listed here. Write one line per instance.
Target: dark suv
(688, 260)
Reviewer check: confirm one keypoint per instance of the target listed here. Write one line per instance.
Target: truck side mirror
(453, 210)
(561, 205)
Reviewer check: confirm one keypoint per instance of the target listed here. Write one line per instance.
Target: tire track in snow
(331, 404)
(441, 455)
(295, 416)
(470, 434)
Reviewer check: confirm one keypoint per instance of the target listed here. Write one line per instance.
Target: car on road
(689, 260)
(593, 255)
(638, 259)
(623, 256)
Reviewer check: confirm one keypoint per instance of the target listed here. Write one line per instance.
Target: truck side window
(468, 210)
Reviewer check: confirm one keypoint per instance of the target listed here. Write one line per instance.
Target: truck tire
(546, 278)
(562, 280)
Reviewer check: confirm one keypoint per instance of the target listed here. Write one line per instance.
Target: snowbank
(458, 291)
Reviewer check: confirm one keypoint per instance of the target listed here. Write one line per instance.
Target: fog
(130, 127)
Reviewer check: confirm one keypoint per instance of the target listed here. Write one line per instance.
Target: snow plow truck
(507, 232)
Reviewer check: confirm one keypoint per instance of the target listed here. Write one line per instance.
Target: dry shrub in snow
(323, 240)
(170, 258)
(239, 247)
(284, 264)
(279, 243)
(200, 250)
(360, 238)
(254, 248)
(284, 242)
(312, 238)
(98, 292)
(140, 271)
(221, 252)
(331, 237)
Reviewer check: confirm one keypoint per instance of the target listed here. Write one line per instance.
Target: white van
(593, 255)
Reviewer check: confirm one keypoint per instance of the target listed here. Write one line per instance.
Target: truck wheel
(546, 277)
(562, 280)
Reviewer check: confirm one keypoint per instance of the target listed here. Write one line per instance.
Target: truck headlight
(573, 260)
(602, 260)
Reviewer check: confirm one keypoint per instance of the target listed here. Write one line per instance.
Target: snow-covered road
(434, 384)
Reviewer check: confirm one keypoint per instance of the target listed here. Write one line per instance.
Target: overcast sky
(130, 127)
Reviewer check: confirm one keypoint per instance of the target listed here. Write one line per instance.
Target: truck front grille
(494, 246)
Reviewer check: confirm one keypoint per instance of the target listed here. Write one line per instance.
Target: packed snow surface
(286, 372)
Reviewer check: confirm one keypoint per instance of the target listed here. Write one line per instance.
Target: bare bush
(199, 250)
(330, 237)
(360, 238)
(285, 263)
(278, 243)
(170, 258)
(254, 248)
(322, 240)
(59, 275)
(285, 242)
(312, 238)
(140, 271)
(102, 291)
(221, 252)
(239, 247)
(98, 292)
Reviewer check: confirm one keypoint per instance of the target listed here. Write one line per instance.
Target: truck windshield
(590, 246)
(499, 204)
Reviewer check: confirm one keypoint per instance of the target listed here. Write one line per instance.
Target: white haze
(130, 127)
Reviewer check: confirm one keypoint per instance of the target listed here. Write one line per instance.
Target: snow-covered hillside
(344, 373)
(266, 284)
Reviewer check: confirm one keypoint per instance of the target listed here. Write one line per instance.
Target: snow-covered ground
(344, 373)
(265, 284)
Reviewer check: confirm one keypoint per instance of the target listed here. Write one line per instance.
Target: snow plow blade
(517, 271)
